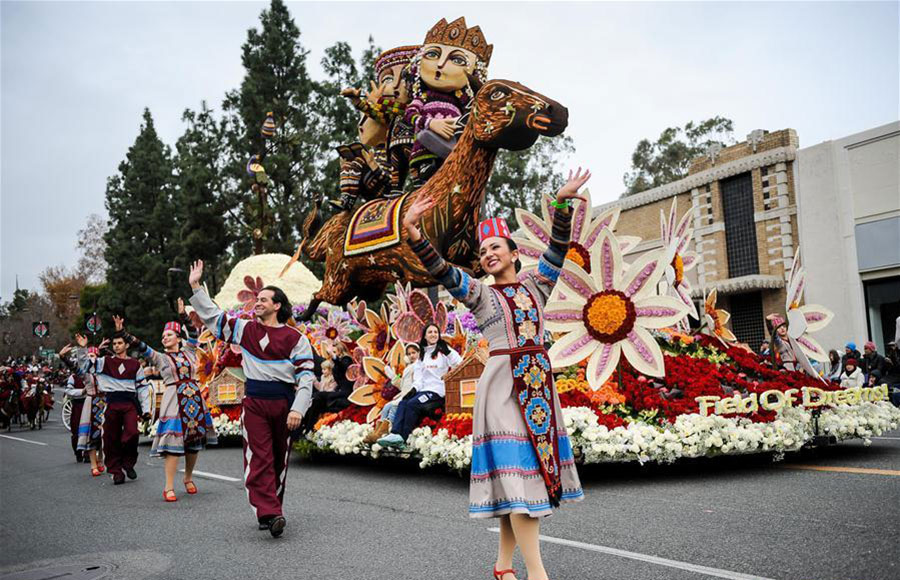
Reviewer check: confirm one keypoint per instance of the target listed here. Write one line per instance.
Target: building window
(740, 228)
(747, 318)
(882, 309)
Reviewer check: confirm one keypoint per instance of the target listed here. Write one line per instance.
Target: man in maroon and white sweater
(278, 363)
(121, 382)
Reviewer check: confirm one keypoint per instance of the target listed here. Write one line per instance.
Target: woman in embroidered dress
(185, 425)
(90, 440)
(522, 461)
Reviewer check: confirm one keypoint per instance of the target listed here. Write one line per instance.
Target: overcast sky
(76, 76)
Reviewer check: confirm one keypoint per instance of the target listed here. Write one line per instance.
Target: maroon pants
(267, 445)
(120, 437)
(74, 420)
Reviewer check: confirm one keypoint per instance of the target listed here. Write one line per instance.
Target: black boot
(276, 528)
(131, 473)
(345, 203)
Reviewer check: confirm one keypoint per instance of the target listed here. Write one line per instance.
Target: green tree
(669, 158)
(200, 165)
(520, 178)
(276, 79)
(139, 243)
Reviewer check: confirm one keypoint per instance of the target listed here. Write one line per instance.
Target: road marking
(212, 475)
(860, 470)
(716, 572)
(23, 440)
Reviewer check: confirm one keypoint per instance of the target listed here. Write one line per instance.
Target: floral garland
(607, 438)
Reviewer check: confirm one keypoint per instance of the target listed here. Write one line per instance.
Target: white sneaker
(391, 440)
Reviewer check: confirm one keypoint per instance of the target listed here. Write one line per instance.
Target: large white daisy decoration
(805, 319)
(676, 236)
(610, 312)
(585, 233)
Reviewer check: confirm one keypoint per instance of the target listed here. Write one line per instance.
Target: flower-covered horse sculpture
(363, 251)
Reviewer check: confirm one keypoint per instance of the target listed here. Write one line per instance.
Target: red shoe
(101, 469)
(96, 472)
(190, 487)
(169, 495)
(498, 574)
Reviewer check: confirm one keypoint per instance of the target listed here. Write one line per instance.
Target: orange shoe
(169, 495)
(190, 487)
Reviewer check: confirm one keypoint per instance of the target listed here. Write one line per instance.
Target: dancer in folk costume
(185, 426)
(278, 363)
(121, 382)
(90, 423)
(75, 392)
(522, 460)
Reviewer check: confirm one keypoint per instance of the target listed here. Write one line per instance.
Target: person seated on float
(395, 391)
(362, 166)
(428, 386)
(852, 376)
(331, 391)
(835, 368)
(386, 104)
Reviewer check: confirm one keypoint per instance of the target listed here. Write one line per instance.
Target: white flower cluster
(225, 427)
(343, 438)
(440, 448)
(863, 421)
(690, 435)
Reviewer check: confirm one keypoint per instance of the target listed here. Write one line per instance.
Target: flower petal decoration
(331, 329)
(376, 340)
(804, 319)
(716, 319)
(676, 236)
(618, 307)
(586, 230)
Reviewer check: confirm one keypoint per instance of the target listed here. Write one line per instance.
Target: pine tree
(276, 80)
(200, 165)
(139, 243)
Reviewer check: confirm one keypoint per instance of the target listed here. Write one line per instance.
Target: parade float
(643, 374)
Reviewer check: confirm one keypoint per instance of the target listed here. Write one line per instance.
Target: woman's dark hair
(285, 312)
(439, 347)
(513, 246)
(834, 356)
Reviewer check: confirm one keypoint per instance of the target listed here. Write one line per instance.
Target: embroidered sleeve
(377, 182)
(383, 110)
(460, 285)
(414, 115)
(142, 386)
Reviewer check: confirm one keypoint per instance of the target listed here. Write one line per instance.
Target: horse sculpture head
(508, 115)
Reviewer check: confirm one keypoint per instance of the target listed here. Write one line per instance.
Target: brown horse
(504, 115)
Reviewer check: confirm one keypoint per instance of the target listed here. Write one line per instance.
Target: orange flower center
(609, 316)
(678, 265)
(580, 256)
(331, 333)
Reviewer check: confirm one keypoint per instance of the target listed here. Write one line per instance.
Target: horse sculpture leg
(310, 310)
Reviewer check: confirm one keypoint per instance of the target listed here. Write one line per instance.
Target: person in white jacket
(852, 376)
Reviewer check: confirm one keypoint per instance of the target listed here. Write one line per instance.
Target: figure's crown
(457, 34)
(401, 55)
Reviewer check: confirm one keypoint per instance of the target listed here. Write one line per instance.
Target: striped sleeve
(302, 359)
(551, 261)
(215, 319)
(458, 283)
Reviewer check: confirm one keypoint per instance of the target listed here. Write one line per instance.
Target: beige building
(755, 202)
(744, 207)
(849, 214)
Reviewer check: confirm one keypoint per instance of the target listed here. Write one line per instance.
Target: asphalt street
(822, 514)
